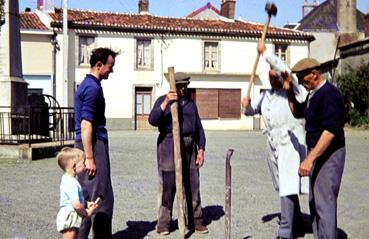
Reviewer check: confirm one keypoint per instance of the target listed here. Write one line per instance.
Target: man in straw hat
(324, 113)
(192, 150)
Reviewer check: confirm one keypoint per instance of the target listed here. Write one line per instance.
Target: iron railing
(36, 124)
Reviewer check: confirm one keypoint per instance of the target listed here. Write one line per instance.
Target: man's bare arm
(86, 134)
(324, 141)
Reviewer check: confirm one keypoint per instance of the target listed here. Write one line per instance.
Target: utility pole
(65, 53)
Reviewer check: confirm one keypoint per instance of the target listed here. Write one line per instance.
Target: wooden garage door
(219, 103)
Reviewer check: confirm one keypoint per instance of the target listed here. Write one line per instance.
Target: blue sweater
(325, 112)
(189, 120)
(89, 104)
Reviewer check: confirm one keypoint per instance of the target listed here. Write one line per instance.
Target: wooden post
(228, 194)
(177, 157)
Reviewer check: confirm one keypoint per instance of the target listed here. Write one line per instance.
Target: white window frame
(211, 56)
(144, 53)
(85, 45)
(281, 50)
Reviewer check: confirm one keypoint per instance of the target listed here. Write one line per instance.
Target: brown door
(143, 107)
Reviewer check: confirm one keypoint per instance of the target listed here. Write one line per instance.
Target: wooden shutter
(207, 103)
(230, 103)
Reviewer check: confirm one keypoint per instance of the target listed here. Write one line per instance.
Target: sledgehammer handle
(228, 201)
(266, 26)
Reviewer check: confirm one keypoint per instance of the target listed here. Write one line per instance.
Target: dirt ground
(29, 192)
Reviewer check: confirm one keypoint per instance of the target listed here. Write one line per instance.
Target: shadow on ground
(140, 229)
(136, 230)
(307, 229)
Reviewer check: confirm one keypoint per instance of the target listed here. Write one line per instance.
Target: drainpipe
(65, 53)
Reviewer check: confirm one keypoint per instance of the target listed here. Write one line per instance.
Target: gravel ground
(29, 192)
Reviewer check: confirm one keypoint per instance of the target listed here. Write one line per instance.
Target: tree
(354, 85)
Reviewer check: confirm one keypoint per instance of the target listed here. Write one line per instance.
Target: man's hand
(169, 98)
(261, 48)
(246, 101)
(306, 166)
(90, 166)
(287, 80)
(200, 158)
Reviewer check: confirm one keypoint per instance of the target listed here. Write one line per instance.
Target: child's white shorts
(67, 218)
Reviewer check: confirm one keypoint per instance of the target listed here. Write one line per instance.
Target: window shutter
(230, 103)
(207, 103)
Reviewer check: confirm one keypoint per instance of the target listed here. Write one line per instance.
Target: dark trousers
(291, 218)
(98, 186)
(325, 183)
(167, 182)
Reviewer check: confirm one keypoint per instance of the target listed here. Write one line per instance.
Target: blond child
(72, 209)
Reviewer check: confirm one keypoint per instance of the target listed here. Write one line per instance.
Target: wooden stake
(177, 157)
(228, 194)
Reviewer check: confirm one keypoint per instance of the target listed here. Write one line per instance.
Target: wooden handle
(266, 26)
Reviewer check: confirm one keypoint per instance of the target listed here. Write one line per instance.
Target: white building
(218, 52)
(37, 52)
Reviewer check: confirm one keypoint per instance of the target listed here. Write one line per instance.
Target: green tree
(354, 85)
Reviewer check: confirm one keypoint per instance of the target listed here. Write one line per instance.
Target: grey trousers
(99, 185)
(167, 183)
(325, 183)
(291, 217)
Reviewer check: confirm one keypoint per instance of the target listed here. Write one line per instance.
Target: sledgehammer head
(271, 9)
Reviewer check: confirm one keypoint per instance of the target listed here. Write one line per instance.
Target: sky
(289, 11)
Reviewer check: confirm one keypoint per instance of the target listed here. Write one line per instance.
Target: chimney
(346, 20)
(40, 4)
(306, 8)
(143, 6)
(45, 5)
(227, 8)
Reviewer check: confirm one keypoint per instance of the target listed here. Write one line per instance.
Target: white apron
(286, 144)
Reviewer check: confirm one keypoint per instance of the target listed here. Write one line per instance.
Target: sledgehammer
(271, 10)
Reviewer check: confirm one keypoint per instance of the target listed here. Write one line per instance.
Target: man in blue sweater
(324, 113)
(92, 138)
(192, 150)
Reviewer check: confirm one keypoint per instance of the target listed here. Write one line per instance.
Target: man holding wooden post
(192, 150)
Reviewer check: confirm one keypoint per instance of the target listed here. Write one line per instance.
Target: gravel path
(29, 192)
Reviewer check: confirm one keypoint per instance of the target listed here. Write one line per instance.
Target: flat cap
(305, 64)
(182, 78)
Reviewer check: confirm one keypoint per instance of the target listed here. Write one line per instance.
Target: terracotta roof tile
(148, 23)
(30, 21)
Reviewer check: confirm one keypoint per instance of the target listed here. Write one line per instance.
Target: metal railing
(36, 124)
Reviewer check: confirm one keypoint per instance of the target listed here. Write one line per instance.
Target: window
(211, 56)
(144, 54)
(143, 106)
(143, 102)
(219, 103)
(281, 51)
(86, 44)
